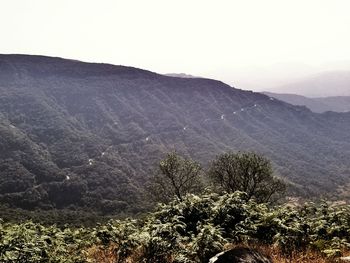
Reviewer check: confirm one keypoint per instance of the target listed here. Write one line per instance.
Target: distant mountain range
(86, 135)
(323, 104)
(325, 84)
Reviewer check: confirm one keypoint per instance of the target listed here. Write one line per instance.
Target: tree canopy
(248, 172)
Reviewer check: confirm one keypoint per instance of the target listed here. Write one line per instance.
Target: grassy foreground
(189, 231)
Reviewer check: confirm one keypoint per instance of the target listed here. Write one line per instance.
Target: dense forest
(86, 138)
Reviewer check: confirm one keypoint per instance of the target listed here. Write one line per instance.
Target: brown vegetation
(103, 254)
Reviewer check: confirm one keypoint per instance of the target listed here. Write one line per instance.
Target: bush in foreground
(192, 230)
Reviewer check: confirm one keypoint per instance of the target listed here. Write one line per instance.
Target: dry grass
(307, 256)
(304, 256)
(100, 254)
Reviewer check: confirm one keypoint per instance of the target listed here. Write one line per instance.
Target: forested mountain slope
(89, 135)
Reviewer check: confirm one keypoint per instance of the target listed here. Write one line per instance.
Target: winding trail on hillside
(149, 137)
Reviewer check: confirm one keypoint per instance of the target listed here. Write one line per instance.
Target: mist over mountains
(323, 104)
(89, 135)
(326, 91)
(324, 84)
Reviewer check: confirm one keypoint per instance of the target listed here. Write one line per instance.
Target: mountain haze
(323, 104)
(89, 135)
(324, 84)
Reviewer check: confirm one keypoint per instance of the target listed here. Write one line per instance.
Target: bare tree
(176, 177)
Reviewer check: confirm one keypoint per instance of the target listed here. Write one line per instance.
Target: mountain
(87, 135)
(325, 84)
(323, 104)
(338, 103)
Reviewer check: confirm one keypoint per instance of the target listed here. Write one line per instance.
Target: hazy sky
(241, 42)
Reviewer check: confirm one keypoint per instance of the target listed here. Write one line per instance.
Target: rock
(240, 255)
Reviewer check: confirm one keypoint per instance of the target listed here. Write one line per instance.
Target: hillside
(324, 84)
(76, 134)
(338, 103)
(323, 104)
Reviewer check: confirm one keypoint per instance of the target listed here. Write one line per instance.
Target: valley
(87, 135)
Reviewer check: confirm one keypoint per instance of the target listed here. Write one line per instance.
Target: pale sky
(241, 42)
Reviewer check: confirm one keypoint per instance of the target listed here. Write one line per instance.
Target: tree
(176, 177)
(247, 172)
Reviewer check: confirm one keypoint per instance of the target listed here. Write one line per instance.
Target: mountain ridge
(81, 137)
(319, 105)
(323, 84)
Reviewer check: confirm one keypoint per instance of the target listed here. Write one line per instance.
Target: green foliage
(206, 243)
(122, 233)
(247, 172)
(29, 242)
(188, 231)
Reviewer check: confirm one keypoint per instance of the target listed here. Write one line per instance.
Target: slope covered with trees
(76, 134)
